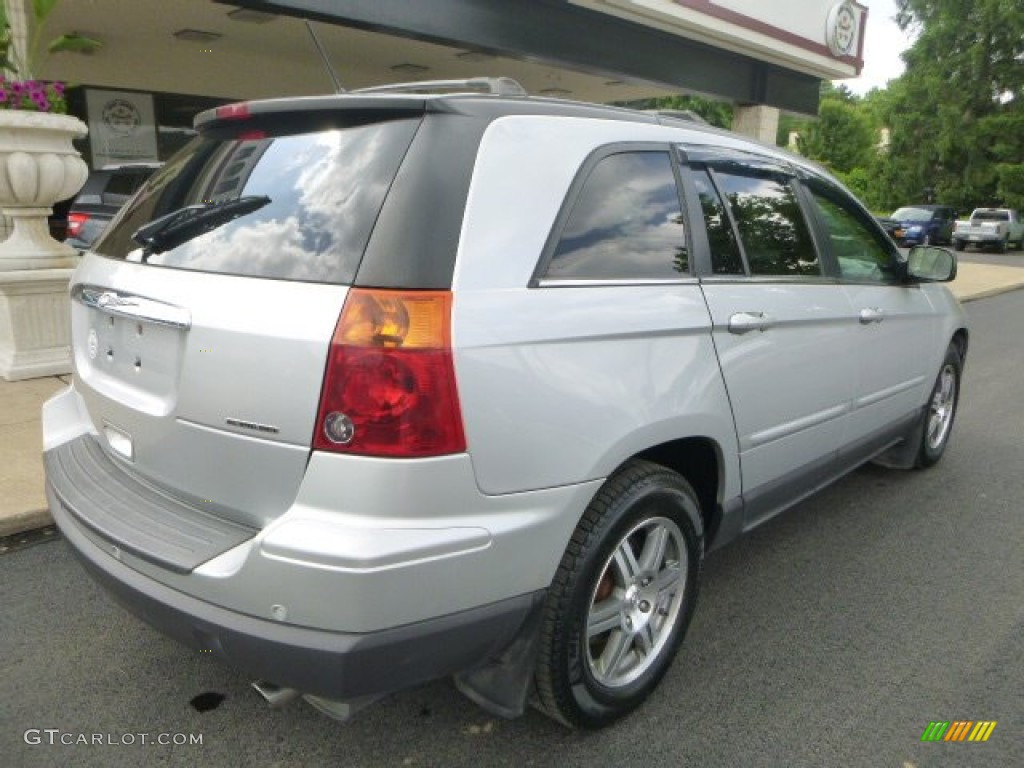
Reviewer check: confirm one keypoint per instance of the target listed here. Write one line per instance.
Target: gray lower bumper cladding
(332, 665)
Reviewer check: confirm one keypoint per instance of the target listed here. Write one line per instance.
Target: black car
(925, 224)
(104, 193)
(893, 228)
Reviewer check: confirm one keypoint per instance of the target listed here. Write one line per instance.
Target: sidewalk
(23, 503)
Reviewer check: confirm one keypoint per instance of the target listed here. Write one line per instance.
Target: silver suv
(376, 388)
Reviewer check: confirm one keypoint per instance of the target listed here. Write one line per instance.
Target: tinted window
(725, 254)
(626, 223)
(862, 252)
(912, 214)
(325, 188)
(772, 228)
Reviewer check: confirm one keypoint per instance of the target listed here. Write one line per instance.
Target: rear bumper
(980, 238)
(335, 665)
(380, 575)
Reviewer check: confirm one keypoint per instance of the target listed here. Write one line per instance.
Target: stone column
(757, 121)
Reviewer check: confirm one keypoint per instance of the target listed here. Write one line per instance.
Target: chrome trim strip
(550, 282)
(797, 425)
(134, 307)
(883, 394)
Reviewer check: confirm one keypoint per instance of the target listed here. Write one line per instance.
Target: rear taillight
(389, 388)
(75, 223)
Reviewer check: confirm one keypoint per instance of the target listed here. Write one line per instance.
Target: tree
(717, 113)
(841, 137)
(957, 113)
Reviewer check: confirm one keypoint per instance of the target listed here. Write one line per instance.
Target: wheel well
(960, 339)
(696, 459)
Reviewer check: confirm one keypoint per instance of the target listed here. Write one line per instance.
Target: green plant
(21, 90)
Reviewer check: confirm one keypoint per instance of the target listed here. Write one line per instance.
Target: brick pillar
(757, 121)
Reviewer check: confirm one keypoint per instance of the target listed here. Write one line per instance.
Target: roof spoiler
(498, 86)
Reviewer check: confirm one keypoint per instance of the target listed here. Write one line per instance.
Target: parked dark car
(925, 224)
(892, 227)
(105, 191)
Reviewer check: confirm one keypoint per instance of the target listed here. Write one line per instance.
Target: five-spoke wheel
(622, 598)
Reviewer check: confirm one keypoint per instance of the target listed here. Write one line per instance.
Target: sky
(883, 44)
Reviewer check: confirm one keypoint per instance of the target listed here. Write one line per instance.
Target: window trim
(540, 279)
(750, 164)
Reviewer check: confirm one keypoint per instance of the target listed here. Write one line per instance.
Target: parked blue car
(925, 224)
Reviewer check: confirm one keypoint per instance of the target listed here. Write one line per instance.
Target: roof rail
(680, 114)
(499, 86)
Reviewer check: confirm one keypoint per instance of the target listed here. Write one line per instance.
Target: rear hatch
(199, 341)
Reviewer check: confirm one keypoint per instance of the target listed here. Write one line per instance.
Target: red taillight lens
(237, 111)
(75, 223)
(389, 389)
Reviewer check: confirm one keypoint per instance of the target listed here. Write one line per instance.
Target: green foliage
(841, 138)
(957, 114)
(717, 113)
(21, 65)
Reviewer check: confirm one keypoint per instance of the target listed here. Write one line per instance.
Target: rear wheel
(1001, 246)
(622, 598)
(941, 411)
(959, 245)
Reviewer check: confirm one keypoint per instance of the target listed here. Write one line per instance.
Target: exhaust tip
(275, 695)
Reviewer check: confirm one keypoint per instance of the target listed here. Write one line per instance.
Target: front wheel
(622, 597)
(941, 410)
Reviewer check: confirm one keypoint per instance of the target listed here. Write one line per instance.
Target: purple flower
(58, 88)
(3, 95)
(18, 87)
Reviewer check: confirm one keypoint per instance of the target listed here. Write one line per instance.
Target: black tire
(941, 410)
(959, 244)
(1001, 246)
(592, 668)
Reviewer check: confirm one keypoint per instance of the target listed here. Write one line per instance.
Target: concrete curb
(991, 292)
(19, 522)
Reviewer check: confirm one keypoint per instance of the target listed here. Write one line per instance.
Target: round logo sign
(121, 116)
(841, 29)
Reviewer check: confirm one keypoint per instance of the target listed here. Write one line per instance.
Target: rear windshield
(991, 216)
(913, 214)
(325, 189)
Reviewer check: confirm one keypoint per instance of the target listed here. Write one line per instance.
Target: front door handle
(871, 315)
(745, 322)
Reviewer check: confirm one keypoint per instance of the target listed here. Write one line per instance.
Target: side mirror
(928, 264)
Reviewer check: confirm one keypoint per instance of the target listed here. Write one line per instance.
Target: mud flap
(502, 685)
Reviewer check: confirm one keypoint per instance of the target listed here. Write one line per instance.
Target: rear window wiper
(182, 225)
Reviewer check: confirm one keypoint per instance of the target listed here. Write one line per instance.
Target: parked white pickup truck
(999, 228)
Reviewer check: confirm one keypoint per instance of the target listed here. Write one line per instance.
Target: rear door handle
(745, 322)
(871, 315)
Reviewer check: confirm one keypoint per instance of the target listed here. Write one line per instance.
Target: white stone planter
(38, 167)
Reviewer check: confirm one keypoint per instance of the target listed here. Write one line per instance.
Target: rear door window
(324, 189)
(771, 225)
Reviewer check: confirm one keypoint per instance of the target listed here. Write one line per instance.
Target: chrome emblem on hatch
(92, 343)
(269, 428)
